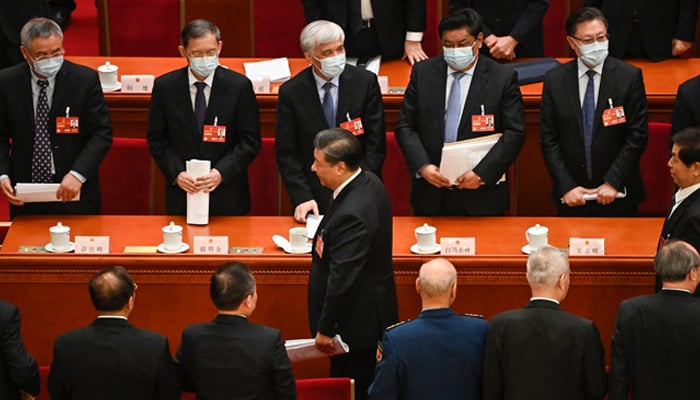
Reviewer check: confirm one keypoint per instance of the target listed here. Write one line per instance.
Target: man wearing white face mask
(54, 125)
(328, 94)
(205, 112)
(455, 97)
(594, 125)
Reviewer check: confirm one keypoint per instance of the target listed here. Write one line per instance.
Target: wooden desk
(51, 289)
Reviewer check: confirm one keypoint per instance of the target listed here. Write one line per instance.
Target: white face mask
(594, 54)
(48, 67)
(458, 57)
(204, 66)
(332, 66)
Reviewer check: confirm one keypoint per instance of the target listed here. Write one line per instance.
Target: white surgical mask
(458, 57)
(594, 54)
(48, 67)
(204, 66)
(333, 66)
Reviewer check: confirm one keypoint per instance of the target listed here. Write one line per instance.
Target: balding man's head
(111, 289)
(675, 260)
(437, 283)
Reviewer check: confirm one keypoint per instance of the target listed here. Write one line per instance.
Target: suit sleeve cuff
(78, 176)
(414, 36)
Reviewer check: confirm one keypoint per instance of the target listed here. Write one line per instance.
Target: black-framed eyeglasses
(585, 41)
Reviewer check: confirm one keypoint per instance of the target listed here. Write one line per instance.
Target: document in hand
(197, 203)
(305, 349)
(460, 157)
(38, 192)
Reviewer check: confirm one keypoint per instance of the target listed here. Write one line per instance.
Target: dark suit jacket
(392, 19)
(655, 347)
(300, 117)
(77, 87)
(543, 352)
(111, 359)
(351, 283)
(439, 355)
(420, 132)
(659, 23)
(686, 109)
(521, 19)
(232, 358)
(13, 15)
(18, 370)
(174, 138)
(684, 223)
(615, 150)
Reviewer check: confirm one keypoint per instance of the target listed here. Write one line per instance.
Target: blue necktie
(41, 156)
(587, 112)
(454, 107)
(200, 105)
(329, 105)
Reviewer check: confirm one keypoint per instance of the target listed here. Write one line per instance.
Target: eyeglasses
(44, 56)
(208, 53)
(585, 41)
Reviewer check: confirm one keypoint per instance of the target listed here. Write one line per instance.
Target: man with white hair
(328, 94)
(541, 351)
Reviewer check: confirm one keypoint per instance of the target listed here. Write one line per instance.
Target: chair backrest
(44, 378)
(396, 177)
(326, 389)
(125, 178)
(657, 180)
(264, 180)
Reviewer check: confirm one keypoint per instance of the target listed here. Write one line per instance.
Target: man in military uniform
(438, 355)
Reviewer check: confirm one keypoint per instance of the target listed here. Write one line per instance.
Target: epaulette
(397, 324)
(474, 315)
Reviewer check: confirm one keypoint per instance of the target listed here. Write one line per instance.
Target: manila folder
(460, 157)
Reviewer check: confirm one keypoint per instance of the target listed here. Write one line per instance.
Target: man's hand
(490, 40)
(209, 182)
(574, 197)
(431, 173)
(304, 208)
(679, 47)
(26, 396)
(324, 343)
(606, 194)
(469, 180)
(186, 182)
(9, 193)
(503, 48)
(69, 188)
(413, 52)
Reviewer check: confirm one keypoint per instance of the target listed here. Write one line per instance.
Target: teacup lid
(107, 67)
(537, 229)
(425, 229)
(172, 228)
(59, 228)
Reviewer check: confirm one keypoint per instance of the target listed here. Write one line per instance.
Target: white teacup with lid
(172, 237)
(425, 237)
(108, 75)
(298, 238)
(536, 236)
(60, 237)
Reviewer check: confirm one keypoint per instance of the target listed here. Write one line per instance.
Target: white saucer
(305, 250)
(527, 249)
(183, 248)
(112, 89)
(50, 249)
(418, 250)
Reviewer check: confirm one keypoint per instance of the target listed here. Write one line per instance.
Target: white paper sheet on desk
(305, 349)
(460, 157)
(198, 203)
(372, 65)
(276, 69)
(38, 192)
(312, 223)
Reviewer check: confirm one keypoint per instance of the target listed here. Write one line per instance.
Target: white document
(198, 203)
(276, 69)
(38, 192)
(460, 157)
(312, 223)
(372, 65)
(594, 196)
(305, 349)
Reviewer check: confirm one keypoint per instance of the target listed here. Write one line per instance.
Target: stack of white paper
(305, 349)
(276, 69)
(38, 192)
(460, 157)
(198, 203)
(372, 65)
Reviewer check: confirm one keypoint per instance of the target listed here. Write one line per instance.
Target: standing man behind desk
(189, 107)
(390, 28)
(451, 98)
(35, 99)
(351, 283)
(686, 108)
(326, 94)
(588, 149)
(19, 375)
(541, 351)
(440, 354)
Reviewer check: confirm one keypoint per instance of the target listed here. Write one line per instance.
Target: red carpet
(80, 38)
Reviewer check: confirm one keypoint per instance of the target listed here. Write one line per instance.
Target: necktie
(200, 105)
(328, 105)
(587, 112)
(454, 106)
(41, 156)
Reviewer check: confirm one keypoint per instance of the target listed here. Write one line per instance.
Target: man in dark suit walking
(231, 357)
(438, 355)
(351, 284)
(686, 108)
(541, 351)
(327, 94)
(19, 374)
(112, 359)
(592, 155)
(39, 100)
(451, 98)
(189, 108)
(655, 349)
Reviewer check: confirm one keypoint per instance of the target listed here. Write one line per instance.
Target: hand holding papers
(460, 157)
(305, 349)
(38, 192)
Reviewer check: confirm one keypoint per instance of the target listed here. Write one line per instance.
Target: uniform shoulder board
(397, 324)
(474, 315)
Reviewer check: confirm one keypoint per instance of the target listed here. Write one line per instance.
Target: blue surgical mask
(594, 54)
(204, 66)
(48, 67)
(458, 57)
(333, 66)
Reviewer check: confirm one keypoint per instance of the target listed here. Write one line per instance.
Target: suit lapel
(309, 91)
(345, 93)
(571, 85)
(437, 93)
(25, 97)
(606, 91)
(680, 210)
(187, 109)
(480, 80)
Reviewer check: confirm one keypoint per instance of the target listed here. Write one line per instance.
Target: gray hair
(436, 282)
(546, 265)
(39, 28)
(674, 260)
(319, 32)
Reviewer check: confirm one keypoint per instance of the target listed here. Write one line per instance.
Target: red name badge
(354, 126)
(483, 123)
(319, 246)
(214, 133)
(614, 116)
(67, 125)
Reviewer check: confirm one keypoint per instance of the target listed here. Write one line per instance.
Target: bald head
(437, 283)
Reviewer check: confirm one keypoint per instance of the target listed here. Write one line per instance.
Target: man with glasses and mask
(39, 101)
(592, 155)
(451, 98)
(328, 94)
(205, 112)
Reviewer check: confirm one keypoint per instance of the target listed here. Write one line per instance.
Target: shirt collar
(583, 68)
(683, 194)
(543, 298)
(469, 72)
(676, 290)
(112, 317)
(192, 79)
(36, 79)
(320, 81)
(337, 191)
